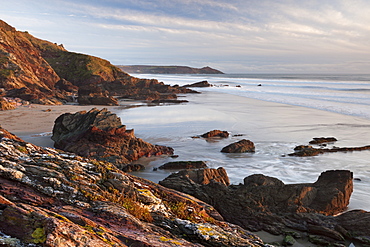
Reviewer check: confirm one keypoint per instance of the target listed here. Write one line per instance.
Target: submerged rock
(100, 134)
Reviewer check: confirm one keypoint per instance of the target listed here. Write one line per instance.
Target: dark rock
(100, 134)
(242, 146)
(302, 150)
(216, 133)
(94, 95)
(189, 181)
(320, 140)
(199, 84)
(176, 165)
(133, 168)
(262, 202)
(169, 101)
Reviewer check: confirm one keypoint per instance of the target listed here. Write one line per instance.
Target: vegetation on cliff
(33, 69)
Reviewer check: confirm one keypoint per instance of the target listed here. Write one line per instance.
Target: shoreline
(275, 128)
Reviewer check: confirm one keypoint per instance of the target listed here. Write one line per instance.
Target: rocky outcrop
(42, 72)
(266, 203)
(100, 134)
(53, 198)
(199, 84)
(151, 69)
(177, 165)
(242, 146)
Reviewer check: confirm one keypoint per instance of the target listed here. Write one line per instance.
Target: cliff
(150, 69)
(43, 72)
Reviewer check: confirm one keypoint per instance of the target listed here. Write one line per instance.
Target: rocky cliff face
(23, 71)
(53, 198)
(43, 72)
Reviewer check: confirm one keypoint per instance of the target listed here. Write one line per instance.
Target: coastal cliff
(43, 72)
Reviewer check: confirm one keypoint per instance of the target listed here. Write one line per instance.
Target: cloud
(243, 34)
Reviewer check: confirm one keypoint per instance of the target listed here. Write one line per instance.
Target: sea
(275, 111)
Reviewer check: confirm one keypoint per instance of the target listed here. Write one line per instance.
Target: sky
(234, 36)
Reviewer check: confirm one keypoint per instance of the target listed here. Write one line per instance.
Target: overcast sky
(245, 36)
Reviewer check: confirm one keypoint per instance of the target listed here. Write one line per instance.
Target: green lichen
(39, 235)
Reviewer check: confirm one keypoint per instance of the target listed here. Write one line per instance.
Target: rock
(100, 134)
(188, 181)
(266, 203)
(320, 140)
(94, 95)
(199, 84)
(52, 198)
(133, 168)
(242, 146)
(303, 150)
(215, 133)
(176, 165)
(5, 105)
(169, 101)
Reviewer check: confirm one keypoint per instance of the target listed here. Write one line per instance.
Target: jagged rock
(266, 203)
(5, 105)
(303, 150)
(190, 181)
(242, 146)
(199, 84)
(216, 133)
(101, 135)
(94, 95)
(320, 140)
(52, 198)
(133, 168)
(176, 165)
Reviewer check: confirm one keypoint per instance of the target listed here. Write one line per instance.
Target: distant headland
(152, 69)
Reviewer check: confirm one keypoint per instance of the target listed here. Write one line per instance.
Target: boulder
(242, 146)
(177, 165)
(100, 134)
(216, 133)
